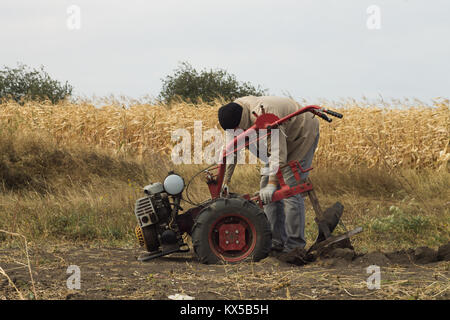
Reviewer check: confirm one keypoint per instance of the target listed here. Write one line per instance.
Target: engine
(156, 215)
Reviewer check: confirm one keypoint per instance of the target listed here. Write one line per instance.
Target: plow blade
(319, 246)
(329, 221)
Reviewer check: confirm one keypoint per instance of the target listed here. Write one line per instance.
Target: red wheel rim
(232, 237)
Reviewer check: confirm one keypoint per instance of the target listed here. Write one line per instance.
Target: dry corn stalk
(411, 137)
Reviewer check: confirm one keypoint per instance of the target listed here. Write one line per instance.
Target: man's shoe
(276, 250)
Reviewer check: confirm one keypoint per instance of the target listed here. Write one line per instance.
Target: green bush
(24, 84)
(188, 84)
(401, 222)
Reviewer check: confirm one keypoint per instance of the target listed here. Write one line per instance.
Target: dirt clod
(402, 257)
(343, 244)
(297, 256)
(338, 257)
(443, 253)
(423, 255)
(373, 258)
(343, 253)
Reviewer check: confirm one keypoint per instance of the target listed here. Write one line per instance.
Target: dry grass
(369, 135)
(76, 193)
(27, 265)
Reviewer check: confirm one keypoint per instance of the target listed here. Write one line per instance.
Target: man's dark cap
(230, 115)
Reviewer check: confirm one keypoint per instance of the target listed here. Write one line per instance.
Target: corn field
(369, 135)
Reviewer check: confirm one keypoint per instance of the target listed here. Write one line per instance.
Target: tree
(188, 84)
(23, 84)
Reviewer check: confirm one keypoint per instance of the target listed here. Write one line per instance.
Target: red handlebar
(264, 121)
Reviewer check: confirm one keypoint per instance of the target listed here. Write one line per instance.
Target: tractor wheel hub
(231, 237)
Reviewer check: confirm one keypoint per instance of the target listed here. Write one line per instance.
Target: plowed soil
(114, 273)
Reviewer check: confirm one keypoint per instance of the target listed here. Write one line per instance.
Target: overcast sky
(312, 49)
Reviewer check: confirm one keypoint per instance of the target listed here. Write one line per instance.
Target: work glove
(225, 190)
(263, 182)
(266, 193)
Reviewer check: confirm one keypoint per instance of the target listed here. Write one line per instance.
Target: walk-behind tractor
(227, 227)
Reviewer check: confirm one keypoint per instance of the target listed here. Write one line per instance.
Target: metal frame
(270, 121)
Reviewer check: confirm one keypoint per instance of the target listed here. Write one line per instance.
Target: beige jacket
(301, 131)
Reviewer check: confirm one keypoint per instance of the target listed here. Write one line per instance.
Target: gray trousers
(287, 217)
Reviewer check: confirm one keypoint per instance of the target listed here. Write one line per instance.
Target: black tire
(257, 233)
(150, 238)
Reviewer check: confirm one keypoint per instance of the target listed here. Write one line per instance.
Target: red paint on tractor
(218, 237)
(232, 237)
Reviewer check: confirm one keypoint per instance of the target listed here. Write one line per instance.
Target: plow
(229, 227)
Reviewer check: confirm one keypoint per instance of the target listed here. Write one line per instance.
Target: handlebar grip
(324, 116)
(334, 113)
